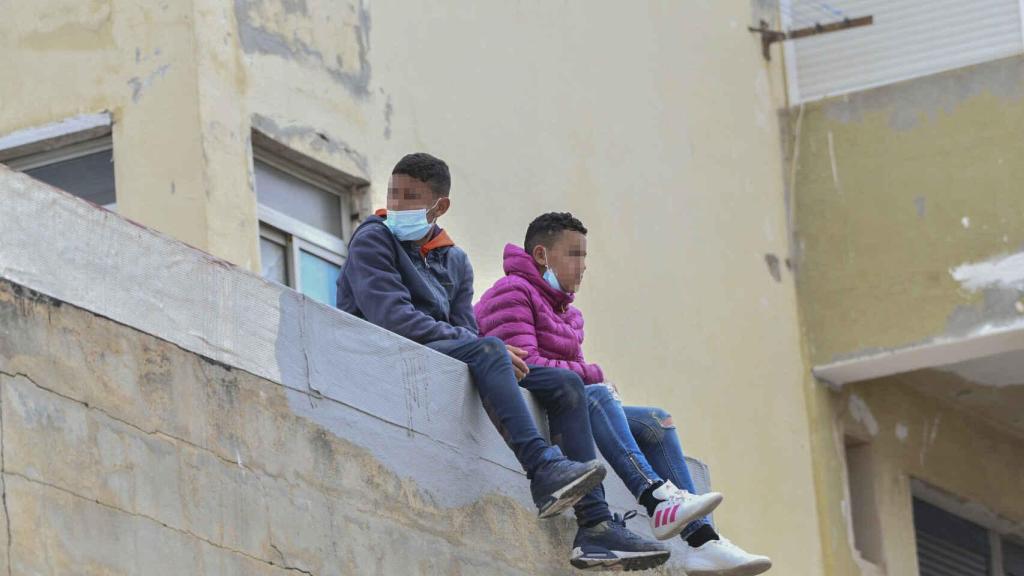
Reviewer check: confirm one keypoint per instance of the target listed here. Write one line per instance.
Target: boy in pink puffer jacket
(531, 308)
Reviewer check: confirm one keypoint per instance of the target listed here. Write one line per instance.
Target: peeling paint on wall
(996, 308)
(860, 412)
(924, 197)
(73, 25)
(999, 272)
(902, 432)
(314, 138)
(139, 85)
(319, 36)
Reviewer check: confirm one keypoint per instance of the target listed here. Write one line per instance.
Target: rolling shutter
(948, 545)
(909, 38)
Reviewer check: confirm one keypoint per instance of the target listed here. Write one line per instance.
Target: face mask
(550, 278)
(408, 225)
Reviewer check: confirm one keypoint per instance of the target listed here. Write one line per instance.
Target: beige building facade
(824, 293)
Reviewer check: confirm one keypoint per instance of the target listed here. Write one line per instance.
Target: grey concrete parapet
(414, 410)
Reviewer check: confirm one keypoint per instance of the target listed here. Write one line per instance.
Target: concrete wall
(908, 435)
(907, 222)
(897, 189)
(144, 63)
(656, 123)
(165, 412)
(124, 454)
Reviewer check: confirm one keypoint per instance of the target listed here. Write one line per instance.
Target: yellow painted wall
(894, 188)
(911, 434)
(143, 62)
(656, 123)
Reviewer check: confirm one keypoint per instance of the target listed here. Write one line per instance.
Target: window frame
(998, 527)
(353, 190)
(58, 142)
(293, 246)
(299, 236)
(284, 240)
(344, 193)
(55, 136)
(31, 161)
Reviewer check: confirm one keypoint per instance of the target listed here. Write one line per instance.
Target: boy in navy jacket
(405, 274)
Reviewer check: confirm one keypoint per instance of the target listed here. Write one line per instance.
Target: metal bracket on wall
(769, 36)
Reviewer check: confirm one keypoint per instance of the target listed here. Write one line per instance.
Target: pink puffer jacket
(524, 311)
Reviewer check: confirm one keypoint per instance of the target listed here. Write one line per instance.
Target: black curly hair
(426, 168)
(546, 228)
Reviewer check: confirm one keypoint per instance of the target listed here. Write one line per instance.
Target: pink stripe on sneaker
(674, 510)
(657, 518)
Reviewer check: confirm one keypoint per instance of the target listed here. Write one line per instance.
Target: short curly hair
(426, 168)
(546, 228)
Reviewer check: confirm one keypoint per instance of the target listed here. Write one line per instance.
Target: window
(288, 259)
(955, 537)
(908, 39)
(75, 155)
(1013, 557)
(307, 212)
(948, 544)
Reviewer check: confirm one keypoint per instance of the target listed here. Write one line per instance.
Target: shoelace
(675, 493)
(621, 520)
(680, 494)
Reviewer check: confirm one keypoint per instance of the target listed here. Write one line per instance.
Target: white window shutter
(909, 38)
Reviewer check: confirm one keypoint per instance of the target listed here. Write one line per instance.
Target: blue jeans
(562, 395)
(640, 444)
(559, 392)
(495, 381)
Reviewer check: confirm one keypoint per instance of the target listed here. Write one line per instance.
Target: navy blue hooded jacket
(424, 293)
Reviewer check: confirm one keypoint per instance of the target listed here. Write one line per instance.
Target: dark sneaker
(560, 483)
(610, 545)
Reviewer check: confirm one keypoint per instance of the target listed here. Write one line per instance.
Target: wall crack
(3, 485)
(181, 531)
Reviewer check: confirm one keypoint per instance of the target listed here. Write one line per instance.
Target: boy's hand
(516, 355)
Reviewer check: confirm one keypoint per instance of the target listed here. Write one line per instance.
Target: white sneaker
(678, 508)
(722, 558)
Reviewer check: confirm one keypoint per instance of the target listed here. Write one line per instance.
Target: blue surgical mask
(550, 278)
(408, 225)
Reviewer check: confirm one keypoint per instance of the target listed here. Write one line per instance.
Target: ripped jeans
(640, 444)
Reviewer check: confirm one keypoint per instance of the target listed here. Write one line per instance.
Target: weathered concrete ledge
(74, 252)
(946, 351)
(166, 412)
